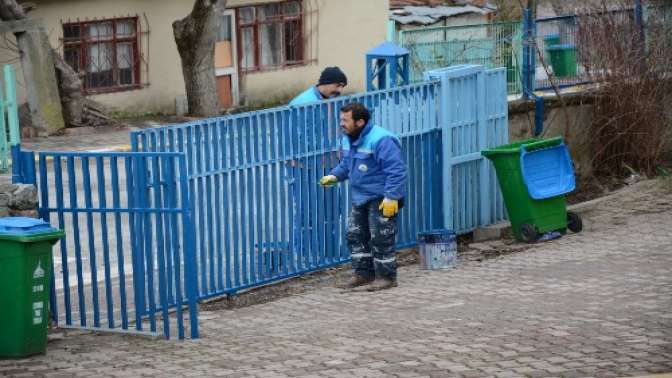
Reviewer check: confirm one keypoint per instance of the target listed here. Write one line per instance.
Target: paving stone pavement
(594, 304)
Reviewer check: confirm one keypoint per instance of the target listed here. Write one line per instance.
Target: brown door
(226, 70)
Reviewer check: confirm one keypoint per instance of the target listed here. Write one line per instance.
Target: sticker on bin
(39, 272)
(37, 312)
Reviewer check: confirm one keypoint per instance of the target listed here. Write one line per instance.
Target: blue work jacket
(309, 95)
(373, 164)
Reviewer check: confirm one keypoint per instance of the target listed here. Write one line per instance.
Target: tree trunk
(70, 89)
(50, 104)
(195, 36)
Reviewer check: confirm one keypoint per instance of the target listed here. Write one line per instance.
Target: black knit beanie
(332, 75)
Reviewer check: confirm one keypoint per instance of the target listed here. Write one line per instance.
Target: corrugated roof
(397, 4)
(431, 15)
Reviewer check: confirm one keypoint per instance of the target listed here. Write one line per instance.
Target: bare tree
(195, 36)
(630, 63)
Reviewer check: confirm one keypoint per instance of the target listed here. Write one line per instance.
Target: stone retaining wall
(17, 199)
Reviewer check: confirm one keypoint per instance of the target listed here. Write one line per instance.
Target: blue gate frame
(261, 217)
(209, 206)
(136, 210)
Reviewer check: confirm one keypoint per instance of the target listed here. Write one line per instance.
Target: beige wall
(342, 31)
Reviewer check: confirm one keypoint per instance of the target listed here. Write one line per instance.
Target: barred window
(105, 51)
(271, 35)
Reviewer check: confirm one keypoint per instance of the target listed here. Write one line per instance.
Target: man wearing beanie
(331, 83)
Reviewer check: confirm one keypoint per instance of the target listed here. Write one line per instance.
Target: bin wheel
(574, 222)
(528, 233)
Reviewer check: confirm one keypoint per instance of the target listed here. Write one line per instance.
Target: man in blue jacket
(331, 83)
(373, 163)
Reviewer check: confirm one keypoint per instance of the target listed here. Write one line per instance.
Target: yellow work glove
(390, 207)
(329, 180)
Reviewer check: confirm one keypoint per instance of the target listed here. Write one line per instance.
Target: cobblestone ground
(592, 304)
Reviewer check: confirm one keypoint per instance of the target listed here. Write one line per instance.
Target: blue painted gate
(126, 263)
(261, 217)
(217, 206)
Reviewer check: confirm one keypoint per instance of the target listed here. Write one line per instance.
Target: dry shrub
(632, 67)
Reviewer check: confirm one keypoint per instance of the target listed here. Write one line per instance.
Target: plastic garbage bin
(25, 274)
(438, 249)
(534, 176)
(549, 41)
(563, 60)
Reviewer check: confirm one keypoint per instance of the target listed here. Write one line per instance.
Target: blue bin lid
(21, 226)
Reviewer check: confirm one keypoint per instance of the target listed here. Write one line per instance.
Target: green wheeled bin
(25, 274)
(563, 60)
(534, 176)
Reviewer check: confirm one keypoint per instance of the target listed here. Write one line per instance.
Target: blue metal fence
(260, 215)
(219, 205)
(126, 261)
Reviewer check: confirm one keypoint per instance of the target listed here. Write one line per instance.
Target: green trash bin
(550, 40)
(25, 274)
(530, 217)
(563, 60)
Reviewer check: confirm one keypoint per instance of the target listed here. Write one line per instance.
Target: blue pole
(526, 52)
(16, 164)
(639, 23)
(538, 115)
(532, 44)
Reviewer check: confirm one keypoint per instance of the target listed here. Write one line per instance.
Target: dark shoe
(355, 281)
(381, 284)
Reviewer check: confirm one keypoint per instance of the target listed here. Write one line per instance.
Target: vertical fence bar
(227, 221)
(72, 189)
(135, 232)
(236, 193)
(167, 143)
(116, 204)
(258, 212)
(156, 183)
(207, 170)
(102, 205)
(45, 215)
(58, 183)
(187, 233)
(147, 233)
(189, 253)
(90, 233)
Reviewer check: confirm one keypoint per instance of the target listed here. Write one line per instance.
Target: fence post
(448, 95)
(446, 142)
(23, 162)
(641, 40)
(529, 69)
(526, 52)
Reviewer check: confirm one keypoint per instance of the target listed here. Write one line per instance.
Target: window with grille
(105, 52)
(270, 35)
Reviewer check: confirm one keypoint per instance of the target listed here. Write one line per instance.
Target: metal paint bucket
(438, 249)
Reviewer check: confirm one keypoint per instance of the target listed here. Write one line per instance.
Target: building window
(271, 35)
(105, 52)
